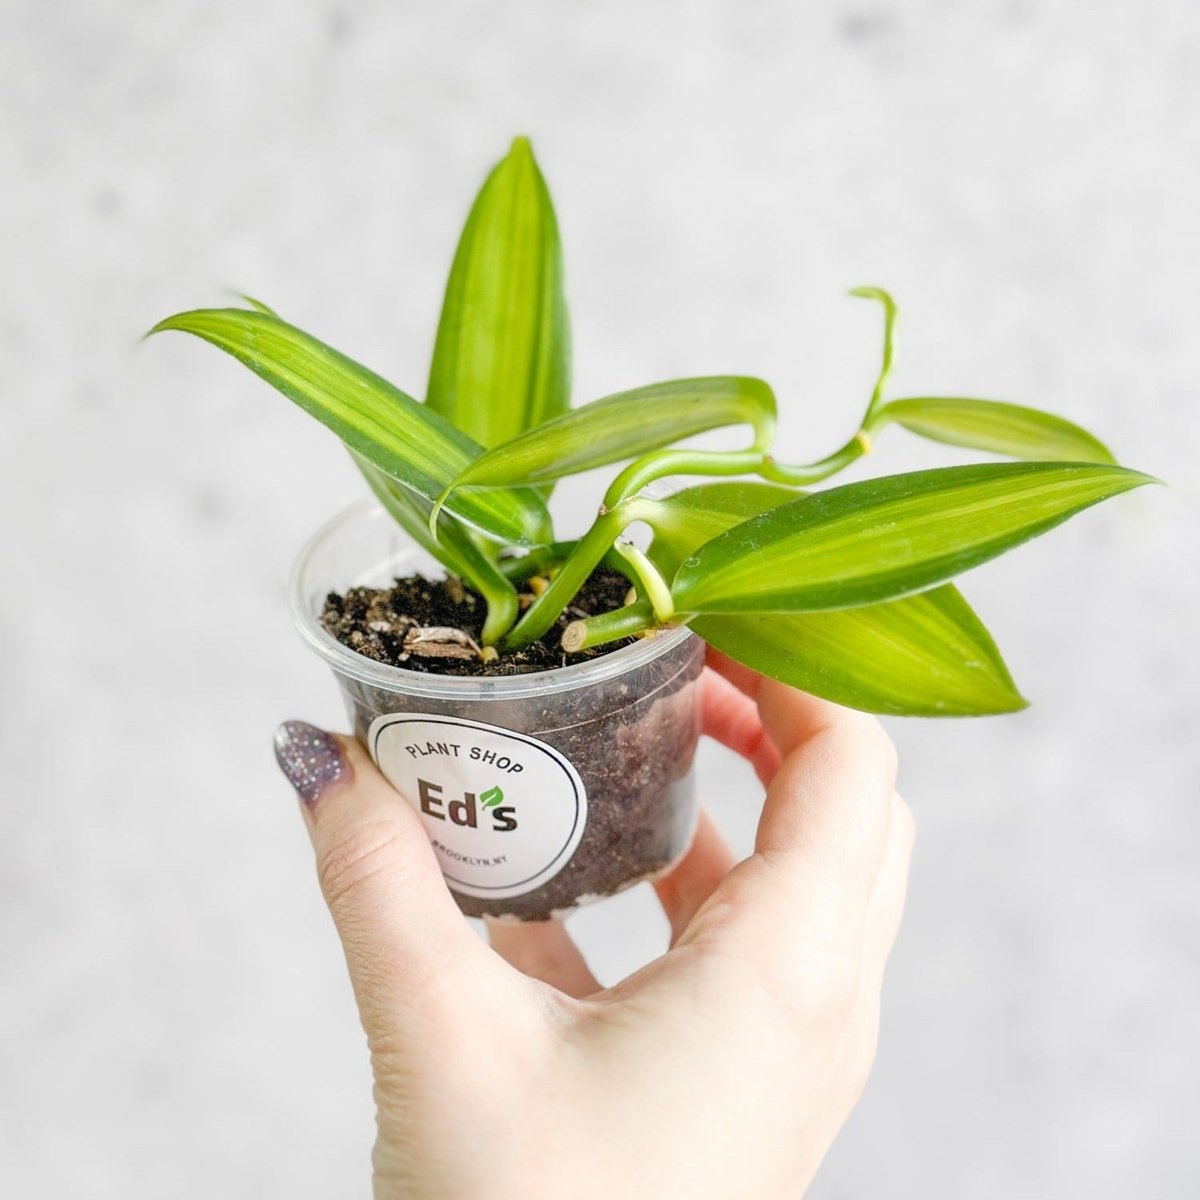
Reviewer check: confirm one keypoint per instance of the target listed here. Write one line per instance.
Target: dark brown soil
(434, 625)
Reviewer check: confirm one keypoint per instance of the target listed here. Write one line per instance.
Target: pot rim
(345, 661)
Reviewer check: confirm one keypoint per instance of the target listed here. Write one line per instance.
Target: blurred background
(1024, 176)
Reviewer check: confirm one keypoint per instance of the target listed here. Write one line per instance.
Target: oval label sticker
(504, 811)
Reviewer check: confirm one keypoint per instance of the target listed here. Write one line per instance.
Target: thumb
(409, 949)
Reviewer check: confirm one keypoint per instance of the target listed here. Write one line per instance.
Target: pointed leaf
(257, 305)
(926, 655)
(402, 438)
(501, 364)
(624, 425)
(1010, 429)
(453, 548)
(867, 542)
(493, 796)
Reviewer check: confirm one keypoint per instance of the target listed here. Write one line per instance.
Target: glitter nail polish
(310, 758)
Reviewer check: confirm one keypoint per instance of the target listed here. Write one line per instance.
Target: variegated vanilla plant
(843, 592)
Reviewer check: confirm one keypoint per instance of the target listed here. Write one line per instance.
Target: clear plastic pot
(539, 792)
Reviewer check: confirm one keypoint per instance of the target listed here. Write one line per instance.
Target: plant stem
(657, 591)
(539, 559)
(502, 610)
(547, 558)
(609, 627)
(622, 507)
(661, 463)
(571, 576)
(889, 345)
(808, 473)
(874, 418)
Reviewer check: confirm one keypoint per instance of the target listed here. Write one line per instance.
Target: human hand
(722, 1069)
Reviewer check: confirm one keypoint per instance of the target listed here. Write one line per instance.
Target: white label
(504, 811)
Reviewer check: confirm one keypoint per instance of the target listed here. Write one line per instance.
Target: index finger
(821, 835)
(788, 715)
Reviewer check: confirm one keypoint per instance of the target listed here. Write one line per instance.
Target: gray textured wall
(1025, 176)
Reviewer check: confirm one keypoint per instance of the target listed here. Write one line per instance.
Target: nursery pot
(539, 792)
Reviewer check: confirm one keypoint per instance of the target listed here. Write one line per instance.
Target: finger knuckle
(348, 864)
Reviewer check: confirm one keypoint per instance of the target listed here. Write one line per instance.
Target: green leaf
(623, 426)
(926, 655)
(922, 656)
(453, 547)
(501, 364)
(257, 305)
(866, 542)
(687, 519)
(402, 438)
(999, 428)
(493, 796)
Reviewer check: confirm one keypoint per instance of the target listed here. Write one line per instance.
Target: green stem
(502, 610)
(609, 627)
(741, 462)
(546, 558)
(889, 344)
(622, 507)
(653, 584)
(571, 576)
(756, 460)
(807, 473)
(615, 562)
(863, 442)
(539, 559)
(679, 462)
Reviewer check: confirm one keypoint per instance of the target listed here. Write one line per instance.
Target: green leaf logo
(491, 797)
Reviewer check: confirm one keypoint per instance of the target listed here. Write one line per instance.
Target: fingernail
(310, 758)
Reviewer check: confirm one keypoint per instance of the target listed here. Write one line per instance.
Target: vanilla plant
(843, 592)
